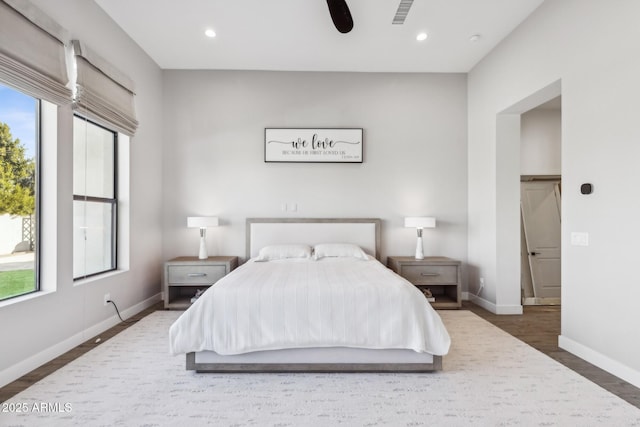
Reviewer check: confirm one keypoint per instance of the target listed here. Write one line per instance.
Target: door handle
(534, 253)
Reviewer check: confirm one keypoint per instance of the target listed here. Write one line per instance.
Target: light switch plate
(579, 238)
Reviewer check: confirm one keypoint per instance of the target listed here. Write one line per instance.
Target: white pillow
(338, 250)
(284, 251)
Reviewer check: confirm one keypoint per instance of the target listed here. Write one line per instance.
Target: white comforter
(333, 302)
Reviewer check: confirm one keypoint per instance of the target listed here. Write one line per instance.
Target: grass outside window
(16, 282)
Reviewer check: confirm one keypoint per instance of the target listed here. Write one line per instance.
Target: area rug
(489, 379)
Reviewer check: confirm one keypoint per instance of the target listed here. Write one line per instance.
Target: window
(95, 199)
(19, 176)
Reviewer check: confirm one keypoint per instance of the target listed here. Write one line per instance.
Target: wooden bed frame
(364, 232)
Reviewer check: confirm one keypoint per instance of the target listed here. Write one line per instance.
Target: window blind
(32, 52)
(104, 94)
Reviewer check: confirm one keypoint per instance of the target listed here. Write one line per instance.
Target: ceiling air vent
(402, 12)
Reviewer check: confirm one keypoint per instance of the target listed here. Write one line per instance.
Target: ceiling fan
(340, 15)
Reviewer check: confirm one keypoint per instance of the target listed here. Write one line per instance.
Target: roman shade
(32, 52)
(104, 94)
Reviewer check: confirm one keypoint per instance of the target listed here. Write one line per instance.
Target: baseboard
(600, 360)
(541, 301)
(493, 308)
(16, 371)
(487, 305)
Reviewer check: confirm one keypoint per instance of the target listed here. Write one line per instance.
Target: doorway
(540, 203)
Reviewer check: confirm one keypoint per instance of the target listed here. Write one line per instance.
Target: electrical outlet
(481, 286)
(107, 298)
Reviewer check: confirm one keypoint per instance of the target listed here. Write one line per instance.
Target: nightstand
(183, 276)
(441, 275)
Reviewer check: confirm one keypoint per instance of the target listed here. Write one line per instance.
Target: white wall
(540, 142)
(590, 47)
(45, 326)
(414, 154)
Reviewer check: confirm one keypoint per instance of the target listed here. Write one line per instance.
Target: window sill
(98, 277)
(23, 298)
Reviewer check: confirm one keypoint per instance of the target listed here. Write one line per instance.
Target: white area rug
(489, 379)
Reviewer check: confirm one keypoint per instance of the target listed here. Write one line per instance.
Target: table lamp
(202, 222)
(419, 222)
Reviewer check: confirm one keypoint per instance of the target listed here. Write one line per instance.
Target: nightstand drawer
(429, 274)
(196, 274)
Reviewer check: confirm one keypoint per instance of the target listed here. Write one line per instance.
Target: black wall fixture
(340, 15)
(586, 188)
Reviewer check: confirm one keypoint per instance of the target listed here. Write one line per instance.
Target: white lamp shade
(202, 221)
(420, 222)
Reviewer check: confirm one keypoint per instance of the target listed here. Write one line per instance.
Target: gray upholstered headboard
(364, 232)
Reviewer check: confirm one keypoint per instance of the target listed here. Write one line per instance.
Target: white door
(540, 205)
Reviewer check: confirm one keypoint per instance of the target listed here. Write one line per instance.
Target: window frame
(38, 197)
(114, 202)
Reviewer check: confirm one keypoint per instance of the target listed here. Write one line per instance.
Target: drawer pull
(197, 274)
(429, 274)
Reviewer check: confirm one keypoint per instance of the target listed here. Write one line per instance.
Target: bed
(312, 297)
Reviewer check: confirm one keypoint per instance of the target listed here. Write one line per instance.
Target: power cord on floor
(118, 311)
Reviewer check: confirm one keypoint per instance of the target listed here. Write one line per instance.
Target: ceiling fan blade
(340, 15)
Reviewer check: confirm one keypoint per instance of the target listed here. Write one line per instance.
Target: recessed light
(474, 38)
(421, 37)
(210, 33)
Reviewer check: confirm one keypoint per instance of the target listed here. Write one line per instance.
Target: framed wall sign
(313, 145)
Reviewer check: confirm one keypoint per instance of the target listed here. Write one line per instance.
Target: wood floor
(539, 327)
